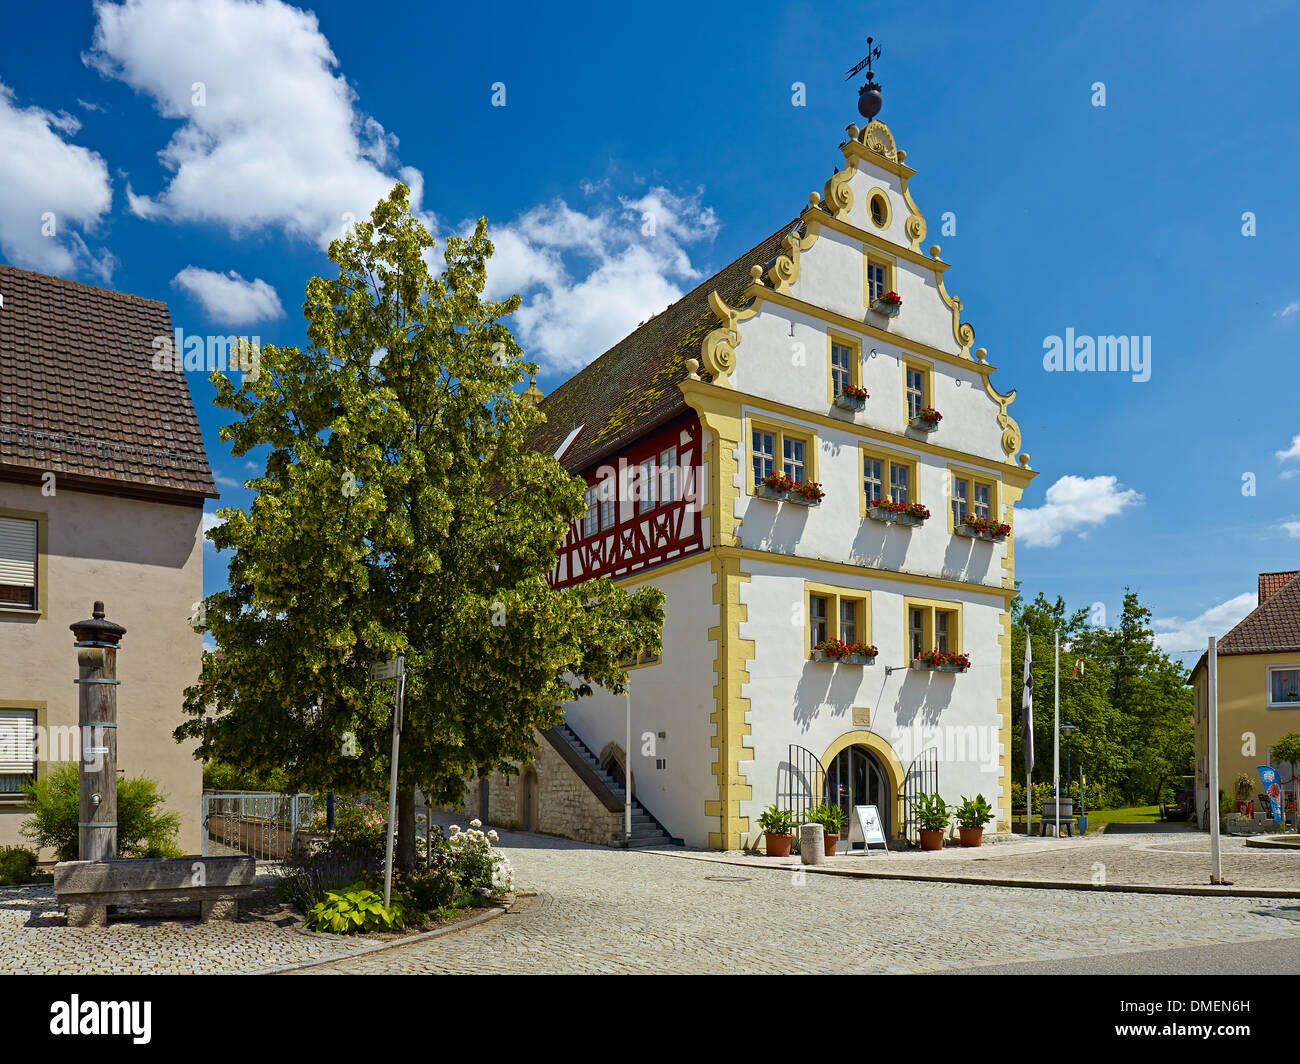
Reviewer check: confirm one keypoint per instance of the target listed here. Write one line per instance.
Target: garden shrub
(355, 909)
(17, 865)
(144, 828)
(355, 850)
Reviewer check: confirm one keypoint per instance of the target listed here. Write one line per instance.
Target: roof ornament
(869, 98)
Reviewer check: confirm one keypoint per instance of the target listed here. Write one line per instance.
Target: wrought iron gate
(266, 826)
(804, 784)
(922, 778)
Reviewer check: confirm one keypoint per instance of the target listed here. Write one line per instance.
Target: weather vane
(869, 99)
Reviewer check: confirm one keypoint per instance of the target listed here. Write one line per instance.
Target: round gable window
(879, 210)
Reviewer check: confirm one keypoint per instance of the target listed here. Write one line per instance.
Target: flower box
(766, 491)
(912, 514)
(850, 402)
(927, 419)
(979, 528)
(938, 661)
(861, 659)
(834, 650)
(888, 304)
(785, 489)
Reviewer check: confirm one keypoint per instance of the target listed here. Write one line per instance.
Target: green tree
(401, 512)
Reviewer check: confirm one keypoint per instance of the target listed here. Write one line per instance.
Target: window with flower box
(932, 625)
(916, 382)
(776, 447)
(888, 477)
(844, 364)
(975, 497)
(835, 613)
(879, 274)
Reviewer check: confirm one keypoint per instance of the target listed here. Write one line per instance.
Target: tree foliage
(401, 512)
(1131, 706)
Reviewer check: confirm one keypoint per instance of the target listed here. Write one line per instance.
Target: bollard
(812, 844)
(96, 645)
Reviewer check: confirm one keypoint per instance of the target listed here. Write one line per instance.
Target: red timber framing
(637, 539)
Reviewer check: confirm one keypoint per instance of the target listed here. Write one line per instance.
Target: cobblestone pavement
(34, 939)
(608, 911)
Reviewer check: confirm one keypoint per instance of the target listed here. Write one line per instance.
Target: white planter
(974, 533)
(798, 500)
(775, 494)
(848, 402)
(889, 310)
(860, 659)
(923, 425)
(893, 518)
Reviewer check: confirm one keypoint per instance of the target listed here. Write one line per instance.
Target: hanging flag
(1078, 668)
(1027, 717)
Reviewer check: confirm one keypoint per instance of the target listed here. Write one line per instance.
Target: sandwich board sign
(872, 829)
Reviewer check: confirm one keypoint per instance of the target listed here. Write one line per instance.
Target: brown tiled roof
(1272, 627)
(632, 388)
(1271, 583)
(79, 395)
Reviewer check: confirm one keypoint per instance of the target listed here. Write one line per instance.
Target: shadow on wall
(89, 527)
(922, 697)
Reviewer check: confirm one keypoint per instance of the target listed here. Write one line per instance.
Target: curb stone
(1191, 890)
(497, 909)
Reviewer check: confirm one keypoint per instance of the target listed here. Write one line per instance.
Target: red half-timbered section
(638, 520)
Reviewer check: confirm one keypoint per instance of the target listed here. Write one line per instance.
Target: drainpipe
(96, 644)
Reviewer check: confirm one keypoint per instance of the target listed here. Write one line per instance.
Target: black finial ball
(869, 101)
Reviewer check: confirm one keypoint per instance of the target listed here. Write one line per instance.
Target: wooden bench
(213, 884)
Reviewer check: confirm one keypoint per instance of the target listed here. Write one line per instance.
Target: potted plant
(905, 513)
(777, 826)
(932, 811)
(852, 397)
(955, 663)
(1243, 787)
(806, 493)
(862, 654)
(927, 419)
(776, 486)
(889, 304)
(983, 528)
(971, 815)
(831, 650)
(831, 818)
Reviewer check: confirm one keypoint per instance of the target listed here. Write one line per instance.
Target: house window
(916, 632)
(18, 563)
(591, 519)
(941, 630)
(1284, 687)
(819, 619)
(971, 497)
(898, 482)
(793, 459)
(647, 486)
(915, 391)
(17, 750)
(960, 488)
(841, 368)
(877, 281)
(873, 478)
(668, 475)
(879, 211)
(764, 454)
(848, 621)
(607, 504)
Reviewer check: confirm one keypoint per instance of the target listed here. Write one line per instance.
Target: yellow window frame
(781, 431)
(855, 360)
(872, 257)
(835, 595)
(973, 477)
(889, 207)
(888, 458)
(927, 384)
(928, 608)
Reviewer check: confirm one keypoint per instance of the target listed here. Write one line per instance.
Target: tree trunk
(404, 858)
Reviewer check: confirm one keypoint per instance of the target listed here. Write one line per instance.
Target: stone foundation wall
(563, 805)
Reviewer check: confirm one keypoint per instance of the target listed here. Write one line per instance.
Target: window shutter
(17, 552)
(17, 742)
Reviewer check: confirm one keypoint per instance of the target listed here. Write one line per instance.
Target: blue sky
(1122, 219)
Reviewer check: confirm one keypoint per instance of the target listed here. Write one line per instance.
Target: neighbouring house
(823, 353)
(1259, 690)
(103, 478)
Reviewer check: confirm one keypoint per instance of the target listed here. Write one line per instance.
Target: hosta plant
(355, 910)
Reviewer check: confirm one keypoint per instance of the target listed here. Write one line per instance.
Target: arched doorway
(856, 776)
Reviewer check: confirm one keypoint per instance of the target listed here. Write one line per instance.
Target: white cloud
(227, 298)
(1292, 529)
(226, 482)
(1175, 633)
(1289, 311)
(588, 278)
(211, 521)
(1291, 452)
(270, 135)
(1072, 504)
(51, 193)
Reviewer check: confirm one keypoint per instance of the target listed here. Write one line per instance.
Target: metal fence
(263, 825)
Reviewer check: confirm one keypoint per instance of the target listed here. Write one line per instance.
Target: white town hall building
(675, 428)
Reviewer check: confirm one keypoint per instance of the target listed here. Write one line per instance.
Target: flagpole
(1027, 732)
(1056, 733)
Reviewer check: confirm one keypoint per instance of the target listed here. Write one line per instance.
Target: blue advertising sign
(1273, 788)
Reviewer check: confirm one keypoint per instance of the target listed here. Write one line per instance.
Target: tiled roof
(1272, 627)
(79, 395)
(1271, 583)
(632, 388)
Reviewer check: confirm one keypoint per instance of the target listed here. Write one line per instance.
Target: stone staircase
(647, 832)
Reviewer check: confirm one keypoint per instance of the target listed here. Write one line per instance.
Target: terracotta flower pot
(831, 840)
(932, 838)
(971, 836)
(778, 845)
